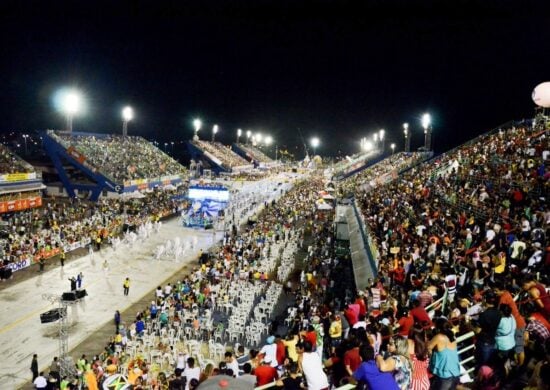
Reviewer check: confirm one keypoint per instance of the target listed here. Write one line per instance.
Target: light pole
(248, 135)
(70, 105)
(239, 133)
(268, 140)
(382, 133)
(407, 137)
(25, 136)
(172, 149)
(426, 124)
(315, 142)
(127, 116)
(214, 131)
(392, 146)
(366, 145)
(375, 137)
(197, 124)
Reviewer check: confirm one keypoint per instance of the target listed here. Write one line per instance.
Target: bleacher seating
(121, 158)
(255, 153)
(224, 154)
(10, 163)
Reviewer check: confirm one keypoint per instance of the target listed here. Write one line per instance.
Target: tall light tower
(215, 129)
(70, 105)
(392, 146)
(427, 125)
(382, 134)
(127, 116)
(239, 133)
(25, 136)
(258, 137)
(197, 124)
(315, 142)
(375, 138)
(248, 135)
(407, 137)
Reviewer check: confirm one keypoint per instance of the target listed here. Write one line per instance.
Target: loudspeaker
(49, 316)
(69, 296)
(81, 293)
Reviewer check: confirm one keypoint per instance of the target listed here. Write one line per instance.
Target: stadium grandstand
(443, 230)
(253, 154)
(219, 157)
(111, 162)
(452, 241)
(20, 184)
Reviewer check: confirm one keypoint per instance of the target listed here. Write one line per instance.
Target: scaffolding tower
(67, 366)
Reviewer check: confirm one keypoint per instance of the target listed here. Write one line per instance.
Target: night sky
(339, 70)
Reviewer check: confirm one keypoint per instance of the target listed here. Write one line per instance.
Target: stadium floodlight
(375, 137)
(127, 113)
(127, 116)
(392, 146)
(427, 125)
(315, 142)
(239, 133)
(381, 135)
(367, 145)
(70, 103)
(407, 137)
(426, 121)
(248, 135)
(268, 140)
(215, 129)
(197, 124)
(258, 138)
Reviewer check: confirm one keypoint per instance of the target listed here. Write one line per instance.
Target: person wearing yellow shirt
(335, 331)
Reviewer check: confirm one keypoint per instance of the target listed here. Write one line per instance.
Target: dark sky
(336, 69)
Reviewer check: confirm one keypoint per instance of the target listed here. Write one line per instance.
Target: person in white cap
(270, 351)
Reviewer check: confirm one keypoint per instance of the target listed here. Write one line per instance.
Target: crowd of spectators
(122, 158)
(380, 173)
(60, 222)
(228, 158)
(11, 163)
(467, 229)
(474, 223)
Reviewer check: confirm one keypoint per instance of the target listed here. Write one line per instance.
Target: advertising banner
(12, 177)
(18, 265)
(9, 206)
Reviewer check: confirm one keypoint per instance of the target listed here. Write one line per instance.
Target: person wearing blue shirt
(369, 373)
(140, 327)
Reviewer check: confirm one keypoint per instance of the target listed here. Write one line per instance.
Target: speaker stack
(69, 296)
(74, 295)
(50, 316)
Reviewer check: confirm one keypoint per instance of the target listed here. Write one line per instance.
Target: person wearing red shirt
(310, 335)
(406, 322)
(351, 315)
(352, 360)
(420, 314)
(265, 373)
(281, 351)
(362, 306)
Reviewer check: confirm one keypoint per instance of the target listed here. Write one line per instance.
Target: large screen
(213, 194)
